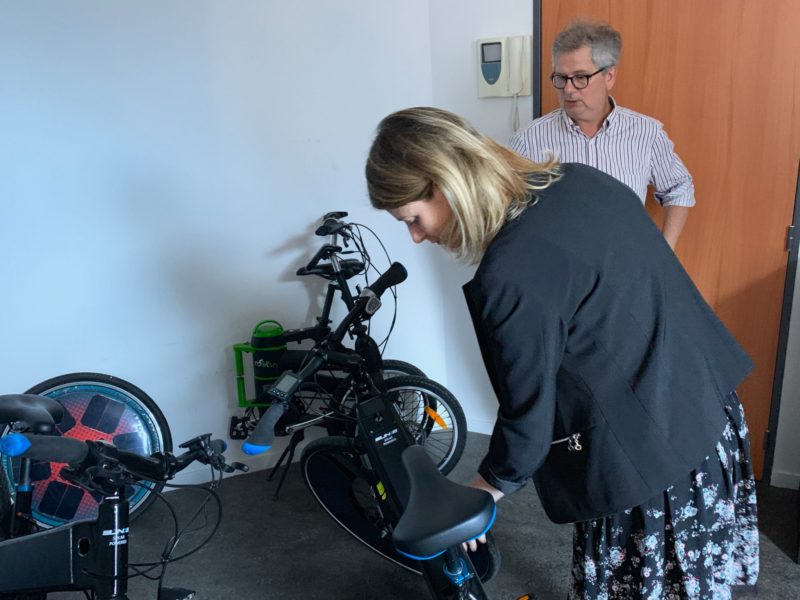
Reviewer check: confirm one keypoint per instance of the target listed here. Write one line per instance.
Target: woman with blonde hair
(615, 380)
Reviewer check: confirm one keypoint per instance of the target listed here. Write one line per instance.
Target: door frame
(536, 65)
(792, 246)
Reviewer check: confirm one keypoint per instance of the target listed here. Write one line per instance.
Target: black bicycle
(269, 341)
(325, 398)
(379, 484)
(318, 402)
(90, 555)
(431, 415)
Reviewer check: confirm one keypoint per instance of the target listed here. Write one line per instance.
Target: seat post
(454, 567)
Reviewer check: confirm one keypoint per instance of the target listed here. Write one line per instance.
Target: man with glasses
(590, 127)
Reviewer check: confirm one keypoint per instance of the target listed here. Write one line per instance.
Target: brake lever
(212, 453)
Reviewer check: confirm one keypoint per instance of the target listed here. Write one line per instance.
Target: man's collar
(612, 115)
(608, 122)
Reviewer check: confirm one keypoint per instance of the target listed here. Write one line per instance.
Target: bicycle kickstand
(297, 437)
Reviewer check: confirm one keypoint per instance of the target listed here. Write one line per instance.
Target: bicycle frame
(76, 554)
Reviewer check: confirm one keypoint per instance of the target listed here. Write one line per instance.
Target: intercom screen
(491, 53)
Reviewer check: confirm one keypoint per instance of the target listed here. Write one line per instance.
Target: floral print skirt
(695, 540)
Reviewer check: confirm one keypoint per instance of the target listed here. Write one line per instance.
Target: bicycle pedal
(238, 429)
(176, 594)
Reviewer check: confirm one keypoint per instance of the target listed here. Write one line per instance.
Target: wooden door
(724, 78)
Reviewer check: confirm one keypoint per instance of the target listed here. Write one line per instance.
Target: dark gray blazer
(608, 365)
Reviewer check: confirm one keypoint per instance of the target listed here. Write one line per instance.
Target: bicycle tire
(97, 407)
(398, 368)
(442, 432)
(335, 474)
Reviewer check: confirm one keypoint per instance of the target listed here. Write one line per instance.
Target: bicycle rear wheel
(349, 492)
(97, 407)
(398, 368)
(433, 417)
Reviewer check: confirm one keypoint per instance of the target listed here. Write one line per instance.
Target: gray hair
(604, 40)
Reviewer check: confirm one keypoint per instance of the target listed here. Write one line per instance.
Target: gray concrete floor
(289, 549)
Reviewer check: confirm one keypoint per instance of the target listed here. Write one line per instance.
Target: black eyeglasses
(579, 81)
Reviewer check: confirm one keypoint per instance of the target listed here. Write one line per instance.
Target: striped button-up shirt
(629, 146)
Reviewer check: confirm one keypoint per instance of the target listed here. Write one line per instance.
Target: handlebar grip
(44, 447)
(218, 446)
(392, 276)
(263, 435)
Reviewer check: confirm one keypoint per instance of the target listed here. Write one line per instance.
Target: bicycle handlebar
(369, 301)
(394, 275)
(332, 224)
(99, 466)
(330, 227)
(263, 436)
(44, 447)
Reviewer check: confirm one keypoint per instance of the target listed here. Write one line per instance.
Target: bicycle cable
(358, 226)
(144, 569)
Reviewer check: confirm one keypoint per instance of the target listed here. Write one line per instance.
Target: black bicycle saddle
(440, 513)
(349, 267)
(40, 413)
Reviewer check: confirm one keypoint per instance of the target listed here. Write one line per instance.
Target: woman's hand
(480, 483)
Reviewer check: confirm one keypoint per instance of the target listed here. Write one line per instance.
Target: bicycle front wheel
(336, 475)
(96, 407)
(337, 478)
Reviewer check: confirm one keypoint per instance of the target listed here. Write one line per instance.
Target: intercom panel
(504, 66)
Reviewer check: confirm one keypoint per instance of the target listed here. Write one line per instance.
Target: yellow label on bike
(381, 490)
(435, 416)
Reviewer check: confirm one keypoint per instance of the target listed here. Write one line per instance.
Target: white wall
(455, 26)
(786, 462)
(162, 165)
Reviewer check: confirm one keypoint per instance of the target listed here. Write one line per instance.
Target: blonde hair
(484, 183)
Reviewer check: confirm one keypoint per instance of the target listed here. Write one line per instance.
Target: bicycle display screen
(285, 386)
